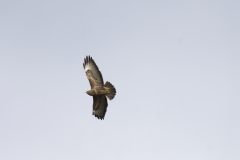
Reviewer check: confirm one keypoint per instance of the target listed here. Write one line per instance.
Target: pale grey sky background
(175, 65)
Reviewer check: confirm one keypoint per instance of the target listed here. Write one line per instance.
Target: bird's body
(99, 91)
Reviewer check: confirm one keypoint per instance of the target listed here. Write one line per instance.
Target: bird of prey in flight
(99, 91)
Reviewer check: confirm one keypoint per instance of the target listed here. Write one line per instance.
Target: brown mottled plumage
(99, 91)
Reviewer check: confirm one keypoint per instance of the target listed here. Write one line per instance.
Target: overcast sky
(175, 66)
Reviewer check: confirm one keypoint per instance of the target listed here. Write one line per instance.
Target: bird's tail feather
(112, 90)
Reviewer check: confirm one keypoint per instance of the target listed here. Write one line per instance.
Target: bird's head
(90, 92)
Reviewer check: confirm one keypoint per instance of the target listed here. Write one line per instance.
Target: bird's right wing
(99, 106)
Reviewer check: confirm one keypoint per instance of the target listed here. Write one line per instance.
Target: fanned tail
(112, 90)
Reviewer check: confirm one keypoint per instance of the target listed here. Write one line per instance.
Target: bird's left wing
(93, 74)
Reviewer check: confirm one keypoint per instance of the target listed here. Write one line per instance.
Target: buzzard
(99, 91)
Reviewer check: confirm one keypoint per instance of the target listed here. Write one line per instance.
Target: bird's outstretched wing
(99, 106)
(93, 74)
